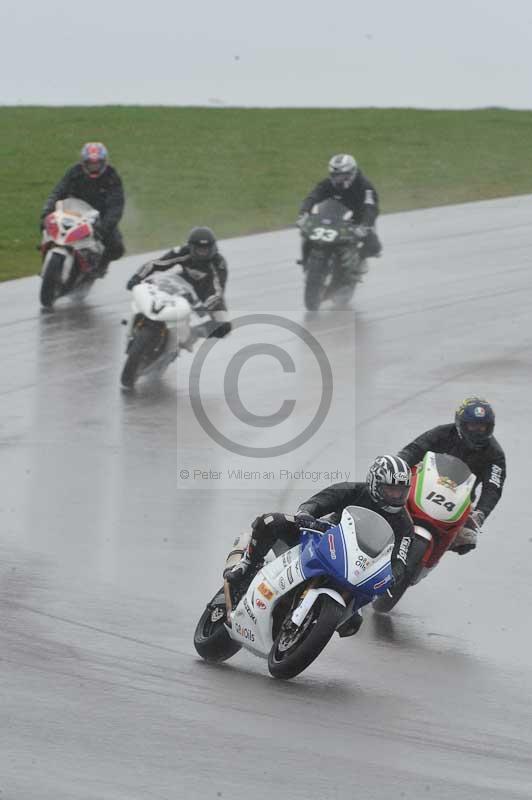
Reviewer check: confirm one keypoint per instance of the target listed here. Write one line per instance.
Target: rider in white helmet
(384, 491)
(347, 184)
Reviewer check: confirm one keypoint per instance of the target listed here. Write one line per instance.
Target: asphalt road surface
(117, 510)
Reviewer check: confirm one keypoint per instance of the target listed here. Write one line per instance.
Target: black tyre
(211, 640)
(315, 272)
(385, 602)
(294, 650)
(147, 344)
(51, 280)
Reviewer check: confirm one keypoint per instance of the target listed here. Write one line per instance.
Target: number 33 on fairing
(323, 234)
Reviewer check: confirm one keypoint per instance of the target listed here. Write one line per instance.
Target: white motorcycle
(296, 602)
(71, 251)
(167, 316)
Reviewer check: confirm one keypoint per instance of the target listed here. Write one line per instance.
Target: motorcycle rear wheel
(286, 658)
(315, 274)
(51, 280)
(211, 640)
(144, 348)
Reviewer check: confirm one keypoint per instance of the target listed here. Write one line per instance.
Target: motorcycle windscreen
(452, 468)
(172, 282)
(373, 533)
(76, 207)
(331, 211)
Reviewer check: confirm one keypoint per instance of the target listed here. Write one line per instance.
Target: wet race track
(109, 551)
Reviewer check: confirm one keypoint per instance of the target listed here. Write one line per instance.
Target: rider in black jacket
(347, 184)
(385, 492)
(203, 266)
(96, 182)
(470, 439)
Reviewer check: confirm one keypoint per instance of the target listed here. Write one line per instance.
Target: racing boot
(242, 573)
(235, 575)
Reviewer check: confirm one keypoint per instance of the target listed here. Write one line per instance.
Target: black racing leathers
(487, 464)
(361, 197)
(207, 277)
(268, 528)
(338, 496)
(104, 193)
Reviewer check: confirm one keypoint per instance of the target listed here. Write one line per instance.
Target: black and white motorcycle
(166, 317)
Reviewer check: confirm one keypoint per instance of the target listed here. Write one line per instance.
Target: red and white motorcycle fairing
(71, 251)
(439, 503)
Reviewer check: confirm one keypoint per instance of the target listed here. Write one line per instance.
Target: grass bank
(246, 170)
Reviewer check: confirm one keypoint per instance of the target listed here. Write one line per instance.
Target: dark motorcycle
(332, 248)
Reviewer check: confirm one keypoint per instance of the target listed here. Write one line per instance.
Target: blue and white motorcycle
(296, 602)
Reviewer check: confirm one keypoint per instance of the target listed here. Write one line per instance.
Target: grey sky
(452, 54)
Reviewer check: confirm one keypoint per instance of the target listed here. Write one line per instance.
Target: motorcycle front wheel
(295, 648)
(211, 640)
(146, 345)
(51, 280)
(315, 274)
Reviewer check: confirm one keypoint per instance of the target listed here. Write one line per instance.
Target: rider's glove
(133, 281)
(475, 520)
(302, 219)
(362, 231)
(212, 302)
(304, 520)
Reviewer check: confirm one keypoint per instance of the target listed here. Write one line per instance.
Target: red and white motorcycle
(71, 251)
(439, 502)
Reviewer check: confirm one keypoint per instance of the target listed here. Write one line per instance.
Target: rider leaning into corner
(203, 266)
(385, 491)
(347, 184)
(470, 438)
(96, 182)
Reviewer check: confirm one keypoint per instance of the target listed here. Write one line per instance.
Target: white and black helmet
(388, 482)
(342, 170)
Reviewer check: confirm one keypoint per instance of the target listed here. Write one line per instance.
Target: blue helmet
(475, 421)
